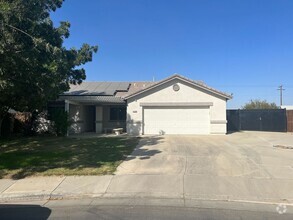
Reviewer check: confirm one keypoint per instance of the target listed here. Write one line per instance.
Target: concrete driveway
(242, 165)
(249, 154)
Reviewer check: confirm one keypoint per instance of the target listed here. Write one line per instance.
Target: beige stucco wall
(187, 93)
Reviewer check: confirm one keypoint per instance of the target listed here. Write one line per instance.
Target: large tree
(259, 104)
(34, 65)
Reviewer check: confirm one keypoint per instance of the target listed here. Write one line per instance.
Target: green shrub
(60, 119)
(6, 126)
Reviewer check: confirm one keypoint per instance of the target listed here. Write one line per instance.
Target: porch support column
(99, 119)
(66, 108)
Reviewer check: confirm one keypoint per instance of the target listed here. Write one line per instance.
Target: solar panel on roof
(92, 87)
(123, 86)
(97, 88)
(101, 86)
(97, 85)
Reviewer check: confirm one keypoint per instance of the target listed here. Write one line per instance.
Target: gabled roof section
(191, 82)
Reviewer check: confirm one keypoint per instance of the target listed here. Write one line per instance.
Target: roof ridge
(176, 75)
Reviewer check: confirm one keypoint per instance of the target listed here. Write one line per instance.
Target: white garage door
(176, 120)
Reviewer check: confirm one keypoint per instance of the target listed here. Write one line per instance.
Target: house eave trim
(218, 121)
(176, 104)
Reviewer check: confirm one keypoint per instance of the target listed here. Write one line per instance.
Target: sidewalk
(148, 186)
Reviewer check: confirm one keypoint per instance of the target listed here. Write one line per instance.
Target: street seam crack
(183, 179)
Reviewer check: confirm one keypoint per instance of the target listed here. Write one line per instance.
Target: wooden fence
(289, 120)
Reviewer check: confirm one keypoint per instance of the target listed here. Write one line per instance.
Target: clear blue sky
(244, 47)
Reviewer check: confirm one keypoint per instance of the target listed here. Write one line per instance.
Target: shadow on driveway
(143, 151)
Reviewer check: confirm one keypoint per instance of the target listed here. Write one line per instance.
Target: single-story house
(287, 107)
(175, 105)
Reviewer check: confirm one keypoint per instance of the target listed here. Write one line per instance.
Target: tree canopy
(259, 104)
(34, 65)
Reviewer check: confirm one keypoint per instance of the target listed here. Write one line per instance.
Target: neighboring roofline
(177, 76)
(85, 95)
(93, 99)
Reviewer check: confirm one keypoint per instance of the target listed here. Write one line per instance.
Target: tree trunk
(1, 120)
(3, 113)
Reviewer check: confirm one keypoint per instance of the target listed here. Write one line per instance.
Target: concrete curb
(52, 197)
(18, 197)
(24, 197)
(74, 196)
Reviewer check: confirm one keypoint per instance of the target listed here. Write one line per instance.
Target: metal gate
(257, 120)
(233, 120)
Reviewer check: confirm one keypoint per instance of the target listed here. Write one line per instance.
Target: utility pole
(281, 94)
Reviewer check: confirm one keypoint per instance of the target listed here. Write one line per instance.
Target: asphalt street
(141, 209)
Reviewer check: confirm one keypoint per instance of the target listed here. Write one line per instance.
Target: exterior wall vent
(176, 87)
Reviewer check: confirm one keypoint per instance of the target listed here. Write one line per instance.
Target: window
(117, 114)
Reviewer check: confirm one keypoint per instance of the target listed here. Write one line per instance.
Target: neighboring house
(287, 107)
(175, 105)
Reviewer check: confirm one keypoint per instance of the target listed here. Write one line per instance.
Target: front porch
(95, 117)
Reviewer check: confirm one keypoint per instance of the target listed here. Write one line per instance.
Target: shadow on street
(24, 212)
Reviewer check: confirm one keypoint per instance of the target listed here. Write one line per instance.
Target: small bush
(43, 125)
(60, 121)
(22, 123)
(18, 126)
(7, 125)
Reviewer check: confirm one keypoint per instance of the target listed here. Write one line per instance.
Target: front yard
(37, 156)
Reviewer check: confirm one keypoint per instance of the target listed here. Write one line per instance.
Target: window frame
(117, 114)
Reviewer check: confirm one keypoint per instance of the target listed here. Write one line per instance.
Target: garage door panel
(176, 120)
